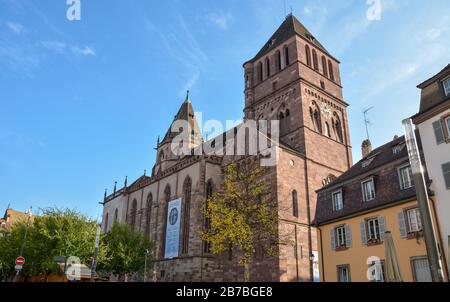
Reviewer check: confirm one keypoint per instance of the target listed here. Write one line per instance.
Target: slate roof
(290, 27)
(429, 102)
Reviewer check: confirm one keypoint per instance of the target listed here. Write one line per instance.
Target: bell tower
(295, 80)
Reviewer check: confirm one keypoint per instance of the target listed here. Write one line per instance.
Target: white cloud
(17, 28)
(62, 48)
(85, 51)
(221, 20)
(56, 46)
(180, 43)
(191, 82)
(433, 33)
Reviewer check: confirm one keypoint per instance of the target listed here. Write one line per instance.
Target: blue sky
(83, 102)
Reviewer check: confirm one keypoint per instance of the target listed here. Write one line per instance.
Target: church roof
(290, 27)
(186, 112)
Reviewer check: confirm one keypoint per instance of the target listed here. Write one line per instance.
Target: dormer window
(446, 84)
(271, 42)
(397, 149)
(368, 161)
(368, 189)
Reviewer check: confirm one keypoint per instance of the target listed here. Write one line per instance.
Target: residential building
(356, 210)
(433, 123)
(10, 218)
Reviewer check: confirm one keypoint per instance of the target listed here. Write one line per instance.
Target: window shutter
(348, 236)
(333, 240)
(402, 224)
(438, 132)
(382, 225)
(446, 170)
(363, 232)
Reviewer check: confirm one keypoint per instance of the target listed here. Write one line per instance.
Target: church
(293, 79)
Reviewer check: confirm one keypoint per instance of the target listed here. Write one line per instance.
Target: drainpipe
(321, 254)
(308, 206)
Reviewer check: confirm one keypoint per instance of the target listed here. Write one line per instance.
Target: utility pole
(429, 228)
(96, 247)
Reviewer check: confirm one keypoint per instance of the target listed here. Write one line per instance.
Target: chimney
(366, 148)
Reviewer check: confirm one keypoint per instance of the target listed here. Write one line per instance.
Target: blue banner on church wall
(173, 229)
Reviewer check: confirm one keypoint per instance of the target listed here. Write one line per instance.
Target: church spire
(188, 99)
(186, 113)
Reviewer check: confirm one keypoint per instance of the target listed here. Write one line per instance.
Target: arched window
(148, 214)
(267, 67)
(308, 55)
(286, 55)
(327, 129)
(338, 128)
(133, 214)
(315, 118)
(288, 113)
(317, 121)
(209, 193)
(330, 68)
(260, 72)
(116, 215)
(187, 190)
(161, 156)
(167, 196)
(106, 222)
(278, 60)
(315, 60)
(294, 204)
(324, 66)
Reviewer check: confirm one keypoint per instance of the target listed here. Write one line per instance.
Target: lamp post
(29, 214)
(145, 265)
(96, 247)
(423, 201)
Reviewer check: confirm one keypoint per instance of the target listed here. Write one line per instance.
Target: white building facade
(433, 122)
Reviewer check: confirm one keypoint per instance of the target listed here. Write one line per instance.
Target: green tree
(57, 232)
(242, 214)
(125, 250)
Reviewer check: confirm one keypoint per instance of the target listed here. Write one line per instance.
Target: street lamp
(29, 214)
(145, 265)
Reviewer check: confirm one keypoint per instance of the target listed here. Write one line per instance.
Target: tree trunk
(246, 272)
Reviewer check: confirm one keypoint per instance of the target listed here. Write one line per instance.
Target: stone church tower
(293, 79)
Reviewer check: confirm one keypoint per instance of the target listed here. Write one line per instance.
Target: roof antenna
(367, 122)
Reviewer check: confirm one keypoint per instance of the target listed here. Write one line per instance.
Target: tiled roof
(289, 28)
(383, 168)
